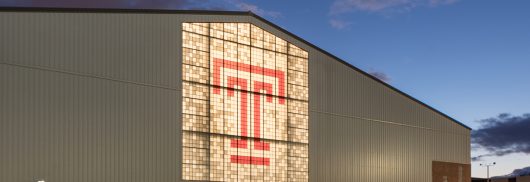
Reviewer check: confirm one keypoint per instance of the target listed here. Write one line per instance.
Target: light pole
(487, 165)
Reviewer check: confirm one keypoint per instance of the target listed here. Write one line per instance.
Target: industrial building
(102, 95)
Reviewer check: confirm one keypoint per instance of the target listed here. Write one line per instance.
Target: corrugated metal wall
(390, 137)
(96, 97)
(89, 97)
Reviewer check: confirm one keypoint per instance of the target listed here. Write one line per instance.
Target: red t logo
(243, 84)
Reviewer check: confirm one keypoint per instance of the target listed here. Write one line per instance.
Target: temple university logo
(245, 105)
(250, 99)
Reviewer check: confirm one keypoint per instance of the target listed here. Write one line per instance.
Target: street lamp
(487, 165)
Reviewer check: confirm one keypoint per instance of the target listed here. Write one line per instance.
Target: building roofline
(120, 10)
(210, 12)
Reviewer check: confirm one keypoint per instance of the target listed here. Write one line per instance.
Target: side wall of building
(89, 97)
(365, 131)
(97, 97)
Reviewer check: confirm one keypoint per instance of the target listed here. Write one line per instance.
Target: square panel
(245, 105)
(195, 41)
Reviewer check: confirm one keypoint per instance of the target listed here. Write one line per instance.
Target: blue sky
(467, 58)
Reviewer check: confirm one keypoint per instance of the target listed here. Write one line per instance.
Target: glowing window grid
(245, 105)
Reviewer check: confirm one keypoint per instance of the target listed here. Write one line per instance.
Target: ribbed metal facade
(97, 97)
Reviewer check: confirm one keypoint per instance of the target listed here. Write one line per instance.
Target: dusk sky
(466, 58)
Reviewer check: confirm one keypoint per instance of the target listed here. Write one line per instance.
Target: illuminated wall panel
(245, 105)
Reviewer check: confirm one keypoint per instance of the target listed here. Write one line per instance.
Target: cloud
(255, 9)
(146, 4)
(478, 158)
(441, 2)
(380, 75)
(344, 6)
(503, 135)
(497, 153)
(339, 24)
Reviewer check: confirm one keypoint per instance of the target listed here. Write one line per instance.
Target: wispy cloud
(380, 75)
(344, 6)
(146, 4)
(441, 2)
(339, 24)
(492, 154)
(503, 135)
(255, 9)
(385, 7)
(480, 157)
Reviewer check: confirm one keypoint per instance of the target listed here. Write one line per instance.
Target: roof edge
(213, 12)
(119, 10)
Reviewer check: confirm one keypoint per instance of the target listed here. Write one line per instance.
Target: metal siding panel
(132, 47)
(392, 130)
(355, 149)
(99, 91)
(379, 101)
(73, 128)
